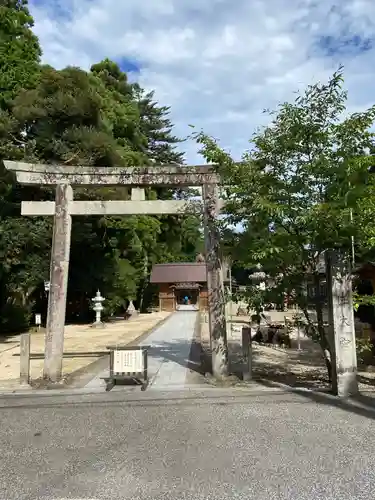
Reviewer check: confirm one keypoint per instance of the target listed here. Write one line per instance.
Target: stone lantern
(259, 279)
(98, 308)
(131, 310)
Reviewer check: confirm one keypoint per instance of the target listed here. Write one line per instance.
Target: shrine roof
(179, 272)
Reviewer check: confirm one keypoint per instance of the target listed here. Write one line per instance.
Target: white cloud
(217, 63)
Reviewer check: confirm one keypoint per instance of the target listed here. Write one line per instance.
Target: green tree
(142, 241)
(72, 117)
(69, 118)
(23, 243)
(293, 192)
(19, 50)
(157, 128)
(19, 69)
(181, 236)
(125, 116)
(364, 244)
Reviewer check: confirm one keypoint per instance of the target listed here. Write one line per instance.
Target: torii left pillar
(59, 274)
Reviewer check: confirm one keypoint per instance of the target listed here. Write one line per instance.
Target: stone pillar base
(347, 384)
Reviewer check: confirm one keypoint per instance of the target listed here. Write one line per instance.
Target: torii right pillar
(215, 282)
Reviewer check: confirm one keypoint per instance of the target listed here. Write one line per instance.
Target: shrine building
(181, 285)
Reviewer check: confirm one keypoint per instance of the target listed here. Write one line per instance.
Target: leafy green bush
(14, 319)
(364, 351)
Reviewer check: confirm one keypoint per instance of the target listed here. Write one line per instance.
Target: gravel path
(293, 367)
(168, 357)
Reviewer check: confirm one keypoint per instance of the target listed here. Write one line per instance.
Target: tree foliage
(295, 191)
(75, 117)
(19, 50)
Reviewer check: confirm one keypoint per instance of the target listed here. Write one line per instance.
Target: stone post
(215, 286)
(341, 324)
(25, 359)
(54, 339)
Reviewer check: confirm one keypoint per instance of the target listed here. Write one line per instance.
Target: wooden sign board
(129, 361)
(127, 364)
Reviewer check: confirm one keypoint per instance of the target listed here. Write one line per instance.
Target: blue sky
(217, 63)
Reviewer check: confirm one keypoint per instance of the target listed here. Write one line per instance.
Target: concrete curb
(130, 394)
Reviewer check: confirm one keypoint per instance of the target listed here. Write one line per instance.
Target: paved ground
(193, 442)
(78, 338)
(295, 367)
(191, 446)
(169, 361)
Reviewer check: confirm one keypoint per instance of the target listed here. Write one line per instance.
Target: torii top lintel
(163, 175)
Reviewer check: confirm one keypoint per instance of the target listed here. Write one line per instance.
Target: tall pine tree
(23, 242)
(157, 127)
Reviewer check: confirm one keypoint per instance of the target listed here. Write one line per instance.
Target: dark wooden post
(246, 353)
(54, 340)
(215, 286)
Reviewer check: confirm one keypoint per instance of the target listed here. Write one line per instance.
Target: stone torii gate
(63, 178)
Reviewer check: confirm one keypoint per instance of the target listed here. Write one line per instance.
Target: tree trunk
(144, 283)
(142, 296)
(323, 341)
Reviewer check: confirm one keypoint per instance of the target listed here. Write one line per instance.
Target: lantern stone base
(131, 311)
(98, 324)
(133, 314)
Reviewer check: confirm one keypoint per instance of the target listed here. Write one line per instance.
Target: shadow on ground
(266, 365)
(361, 404)
(269, 376)
(173, 351)
(11, 340)
(311, 384)
(297, 369)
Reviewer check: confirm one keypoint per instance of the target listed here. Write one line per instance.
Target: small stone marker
(25, 359)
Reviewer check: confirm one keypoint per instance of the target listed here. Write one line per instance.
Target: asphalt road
(187, 445)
